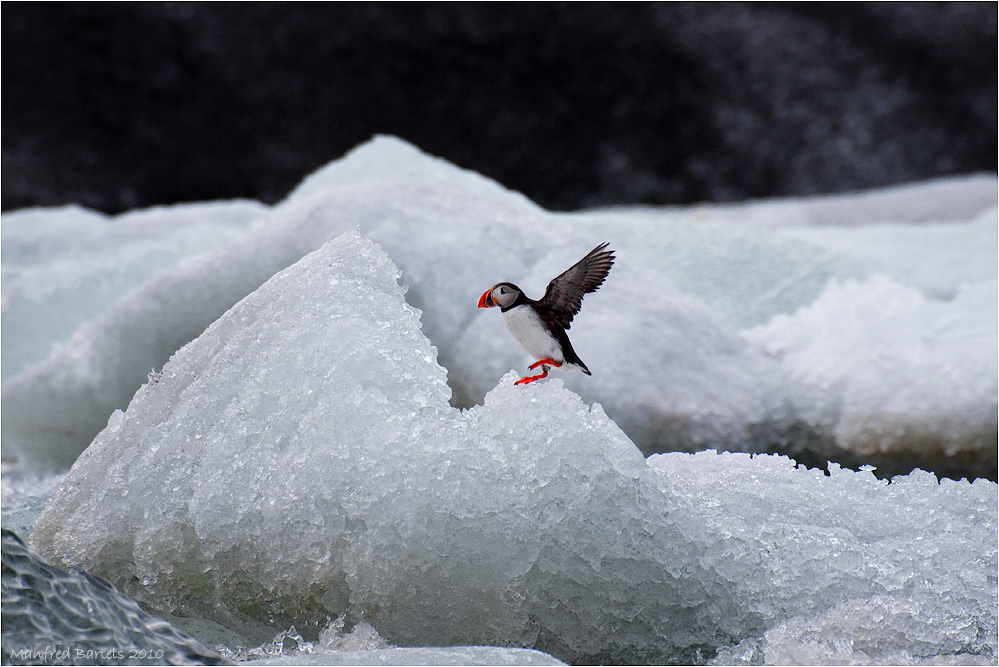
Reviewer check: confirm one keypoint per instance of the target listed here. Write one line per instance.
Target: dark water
(121, 105)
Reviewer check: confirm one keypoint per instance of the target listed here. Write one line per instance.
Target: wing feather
(564, 295)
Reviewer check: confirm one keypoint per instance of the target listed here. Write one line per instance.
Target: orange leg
(544, 363)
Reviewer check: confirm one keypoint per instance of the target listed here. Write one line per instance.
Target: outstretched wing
(564, 295)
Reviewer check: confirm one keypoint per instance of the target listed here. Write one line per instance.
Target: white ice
(66, 272)
(300, 460)
(362, 645)
(64, 266)
(24, 496)
(458, 655)
(888, 330)
(718, 327)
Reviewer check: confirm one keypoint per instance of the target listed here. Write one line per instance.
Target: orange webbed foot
(544, 363)
(530, 378)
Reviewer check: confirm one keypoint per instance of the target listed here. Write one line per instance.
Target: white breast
(530, 332)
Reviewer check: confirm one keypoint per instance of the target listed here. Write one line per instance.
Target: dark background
(118, 105)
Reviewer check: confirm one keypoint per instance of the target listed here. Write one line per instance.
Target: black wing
(564, 295)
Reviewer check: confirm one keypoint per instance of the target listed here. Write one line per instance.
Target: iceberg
(300, 460)
(712, 331)
(896, 367)
(77, 338)
(65, 266)
(887, 330)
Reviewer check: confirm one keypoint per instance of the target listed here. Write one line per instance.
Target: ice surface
(744, 276)
(364, 646)
(57, 406)
(300, 460)
(70, 618)
(24, 496)
(897, 372)
(103, 299)
(64, 266)
(711, 331)
(389, 159)
(458, 655)
(291, 644)
(887, 330)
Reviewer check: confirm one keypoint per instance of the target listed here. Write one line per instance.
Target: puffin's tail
(571, 358)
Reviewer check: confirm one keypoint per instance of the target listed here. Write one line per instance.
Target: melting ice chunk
(664, 335)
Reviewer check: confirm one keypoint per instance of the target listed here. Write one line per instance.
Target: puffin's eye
(502, 290)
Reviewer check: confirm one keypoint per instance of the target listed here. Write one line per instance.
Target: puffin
(540, 326)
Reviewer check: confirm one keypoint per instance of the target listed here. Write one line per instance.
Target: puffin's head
(501, 294)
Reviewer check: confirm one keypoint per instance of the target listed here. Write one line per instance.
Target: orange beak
(486, 300)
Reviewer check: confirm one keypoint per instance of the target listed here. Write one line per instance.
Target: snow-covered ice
(300, 460)
(857, 323)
